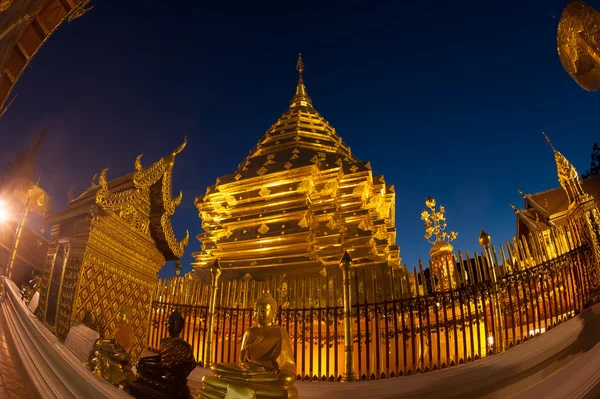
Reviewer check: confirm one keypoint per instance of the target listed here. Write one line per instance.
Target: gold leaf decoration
(261, 171)
(263, 229)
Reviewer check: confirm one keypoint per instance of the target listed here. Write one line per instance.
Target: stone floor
(14, 381)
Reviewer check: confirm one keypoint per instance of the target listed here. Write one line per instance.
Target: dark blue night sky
(444, 98)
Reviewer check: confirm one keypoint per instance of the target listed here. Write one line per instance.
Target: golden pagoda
(296, 202)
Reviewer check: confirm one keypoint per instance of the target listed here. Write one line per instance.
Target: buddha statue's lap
(266, 368)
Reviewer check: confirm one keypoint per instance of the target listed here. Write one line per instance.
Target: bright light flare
(3, 212)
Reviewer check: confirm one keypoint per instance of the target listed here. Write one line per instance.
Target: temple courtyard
(561, 363)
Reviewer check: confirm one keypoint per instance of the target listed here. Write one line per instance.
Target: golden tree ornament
(435, 223)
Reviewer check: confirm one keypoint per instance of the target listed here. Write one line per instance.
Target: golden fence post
(215, 271)
(345, 265)
(484, 241)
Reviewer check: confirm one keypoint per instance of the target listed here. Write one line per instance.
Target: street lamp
(34, 199)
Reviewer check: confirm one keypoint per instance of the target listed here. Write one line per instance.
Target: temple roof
(555, 201)
(142, 198)
(548, 208)
(25, 25)
(301, 137)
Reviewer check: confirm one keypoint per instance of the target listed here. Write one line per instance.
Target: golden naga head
(265, 309)
(578, 44)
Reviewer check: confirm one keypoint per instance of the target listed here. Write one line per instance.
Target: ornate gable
(143, 199)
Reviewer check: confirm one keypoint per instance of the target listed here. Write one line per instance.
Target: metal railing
(401, 323)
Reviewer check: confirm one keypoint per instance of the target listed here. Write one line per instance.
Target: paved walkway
(14, 381)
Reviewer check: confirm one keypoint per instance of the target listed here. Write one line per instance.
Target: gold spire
(301, 98)
(549, 142)
(567, 175)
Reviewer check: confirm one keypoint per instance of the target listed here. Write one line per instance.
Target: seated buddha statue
(266, 368)
(165, 375)
(112, 360)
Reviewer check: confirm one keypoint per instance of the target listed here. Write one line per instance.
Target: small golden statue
(165, 375)
(28, 290)
(112, 360)
(266, 368)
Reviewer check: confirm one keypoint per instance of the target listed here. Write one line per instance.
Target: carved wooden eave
(25, 26)
(142, 198)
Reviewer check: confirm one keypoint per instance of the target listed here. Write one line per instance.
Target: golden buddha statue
(112, 360)
(165, 375)
(266, 368)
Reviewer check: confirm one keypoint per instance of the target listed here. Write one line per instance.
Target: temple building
(296, 202)
(549, 208)
(106, 250)
(574, 204)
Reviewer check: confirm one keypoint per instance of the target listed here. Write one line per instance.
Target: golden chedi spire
(297, 201)
(567, 176)
(301, 98)
(442, 260)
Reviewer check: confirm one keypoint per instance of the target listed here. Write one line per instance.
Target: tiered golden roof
(297, 201)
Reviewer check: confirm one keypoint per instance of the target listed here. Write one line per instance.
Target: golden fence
(401, 323)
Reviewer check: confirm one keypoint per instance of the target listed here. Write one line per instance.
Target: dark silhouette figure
(165, 375)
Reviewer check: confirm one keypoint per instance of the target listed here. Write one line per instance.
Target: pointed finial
(138, 163)
(300, 64)
(181, 147)
(549, 142)
(102, 180)
(301, 98)
(513, 207)
(484, 239)
(346, 261)
(215, 269)
(522, 193)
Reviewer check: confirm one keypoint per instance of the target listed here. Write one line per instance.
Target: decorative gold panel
(102, 293)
